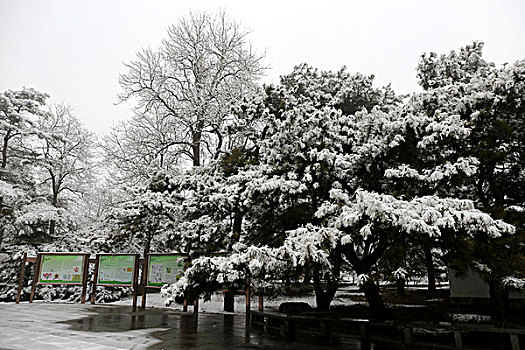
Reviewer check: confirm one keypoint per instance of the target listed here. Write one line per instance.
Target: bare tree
(202, 68)
(147, 142)
(67, 155)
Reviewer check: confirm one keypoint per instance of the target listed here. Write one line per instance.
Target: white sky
(74, 50)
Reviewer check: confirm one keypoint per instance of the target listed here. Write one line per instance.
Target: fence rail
(367, 331)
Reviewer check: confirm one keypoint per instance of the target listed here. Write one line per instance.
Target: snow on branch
(428, 215)
(467, 166)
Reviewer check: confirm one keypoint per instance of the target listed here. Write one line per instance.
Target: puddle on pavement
(174, 329)
(124, 319)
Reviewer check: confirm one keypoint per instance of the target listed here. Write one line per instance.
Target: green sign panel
(61, 269)
(164, 269)
(116, 269)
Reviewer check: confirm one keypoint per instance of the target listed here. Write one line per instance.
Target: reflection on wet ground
(77, 326)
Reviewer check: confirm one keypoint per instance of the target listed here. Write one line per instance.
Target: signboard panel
(116, 270)
(164, 269)
(61, 269)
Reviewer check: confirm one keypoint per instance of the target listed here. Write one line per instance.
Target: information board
(61, 269)
(164, 269)
(116, 269)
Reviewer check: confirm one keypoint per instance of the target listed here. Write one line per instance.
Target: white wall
(472, 286)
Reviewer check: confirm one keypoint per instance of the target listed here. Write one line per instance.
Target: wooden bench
(286, 324)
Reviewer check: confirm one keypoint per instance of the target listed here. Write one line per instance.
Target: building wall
(472, 288)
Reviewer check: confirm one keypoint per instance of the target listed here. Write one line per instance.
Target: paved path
(83, 326)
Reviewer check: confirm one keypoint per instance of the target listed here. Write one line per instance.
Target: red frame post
(85, 269)
(36, 276)
(21, 280)
(94, 286)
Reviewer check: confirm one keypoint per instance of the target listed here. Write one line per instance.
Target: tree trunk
(498, 301)
(363, 266)
(1, 237)
(323, 298)
(4, 164)
(374, 299)
(54, 201)
(229, 301)
(307, 275)
(147, 244)
(196, 143)
(4, 149)
(429, 262)
(52, 226)
(144, 277)
(400, 286)
(237, 224)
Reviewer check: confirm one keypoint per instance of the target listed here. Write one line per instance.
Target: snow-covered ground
(215, 305)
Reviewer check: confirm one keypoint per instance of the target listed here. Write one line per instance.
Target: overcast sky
(74, 50)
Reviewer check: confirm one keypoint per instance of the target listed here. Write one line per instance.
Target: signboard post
(160, 269)
(21, 279)
(61, 268)
(117, 270)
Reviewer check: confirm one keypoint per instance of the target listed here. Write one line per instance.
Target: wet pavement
(43, 325)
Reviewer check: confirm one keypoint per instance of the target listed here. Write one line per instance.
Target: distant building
(472, 290)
